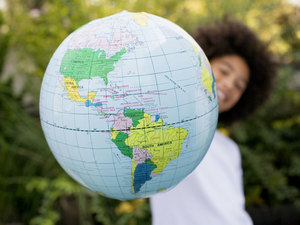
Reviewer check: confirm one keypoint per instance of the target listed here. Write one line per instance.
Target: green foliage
(33, 187)
(21, 143)
(270, 145)
(4, 39)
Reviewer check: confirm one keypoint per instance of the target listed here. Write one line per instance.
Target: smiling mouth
(222, 96)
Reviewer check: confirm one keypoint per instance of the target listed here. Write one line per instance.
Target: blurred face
(232, 76)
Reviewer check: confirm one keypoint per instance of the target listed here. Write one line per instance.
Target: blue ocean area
(89, 103)
(141, 175)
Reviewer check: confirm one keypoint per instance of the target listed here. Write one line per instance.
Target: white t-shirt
(211, 195)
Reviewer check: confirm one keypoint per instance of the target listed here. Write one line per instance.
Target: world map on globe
(128, 105)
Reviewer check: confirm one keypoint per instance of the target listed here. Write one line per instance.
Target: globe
(128, 105)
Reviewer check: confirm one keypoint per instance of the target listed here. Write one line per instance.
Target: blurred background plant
(33, 187)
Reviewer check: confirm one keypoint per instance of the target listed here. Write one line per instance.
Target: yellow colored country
(140, 18)
(207, 79)
(73, 93)
(114, 133)
(164, 143)
(134, 165)
(195, 48)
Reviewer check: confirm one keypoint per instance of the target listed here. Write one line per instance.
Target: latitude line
(137, 128)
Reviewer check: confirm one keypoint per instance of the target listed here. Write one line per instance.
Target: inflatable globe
(128, 105)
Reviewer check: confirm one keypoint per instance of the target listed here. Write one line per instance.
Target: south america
(148, 142)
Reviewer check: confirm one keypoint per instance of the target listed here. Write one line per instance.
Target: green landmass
(149, 162)
(86, 63)
(120, 142)
(136, 115)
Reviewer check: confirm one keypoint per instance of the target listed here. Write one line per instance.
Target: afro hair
(228, 37)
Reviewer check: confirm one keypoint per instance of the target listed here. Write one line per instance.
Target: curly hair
(228, 37)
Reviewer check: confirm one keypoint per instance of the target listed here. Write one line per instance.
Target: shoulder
(224, 147)
(223, 140)
(224, 154)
